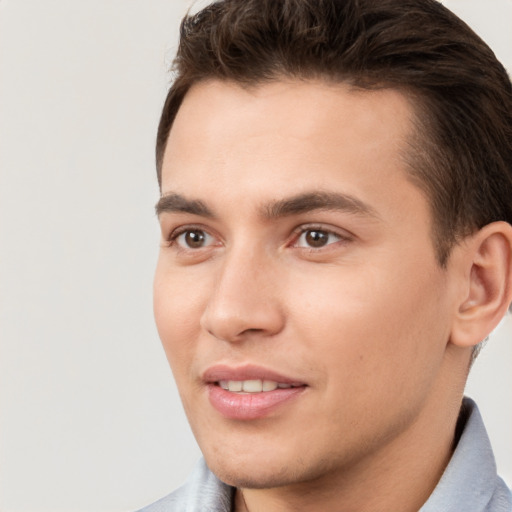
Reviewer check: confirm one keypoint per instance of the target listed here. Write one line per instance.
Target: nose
(245, 300)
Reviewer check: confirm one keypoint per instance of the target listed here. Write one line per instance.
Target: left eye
(194, 239)
(317, 238)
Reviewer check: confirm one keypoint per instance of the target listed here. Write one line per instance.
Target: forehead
(287, 136)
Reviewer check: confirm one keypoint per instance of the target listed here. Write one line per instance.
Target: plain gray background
(89, 418)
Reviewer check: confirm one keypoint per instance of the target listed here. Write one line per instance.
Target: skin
(364, 320)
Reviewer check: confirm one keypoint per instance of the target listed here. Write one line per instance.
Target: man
(335, 209)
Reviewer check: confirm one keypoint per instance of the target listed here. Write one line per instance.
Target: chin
(242, 467)
(252, 476)
(263, 469)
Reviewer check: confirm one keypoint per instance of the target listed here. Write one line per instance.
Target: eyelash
(172, 239)
(304, 229)
(176, 233)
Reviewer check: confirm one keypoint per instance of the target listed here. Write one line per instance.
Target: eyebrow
(176, 203)
(295, 205)
(311, 201)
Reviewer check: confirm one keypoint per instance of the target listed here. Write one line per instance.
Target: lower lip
(250, 406)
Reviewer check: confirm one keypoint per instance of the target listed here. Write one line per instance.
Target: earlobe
(488, 285)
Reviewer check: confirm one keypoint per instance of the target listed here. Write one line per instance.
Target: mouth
(249, 392)
(254, 385)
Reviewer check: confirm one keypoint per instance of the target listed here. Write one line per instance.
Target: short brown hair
(461, 153)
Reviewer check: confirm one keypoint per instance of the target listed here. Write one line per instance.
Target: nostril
(252, 331)
(232, 335)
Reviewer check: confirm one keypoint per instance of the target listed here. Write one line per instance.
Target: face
(297, 293)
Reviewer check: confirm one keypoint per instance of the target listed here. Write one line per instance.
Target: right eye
(193, 239)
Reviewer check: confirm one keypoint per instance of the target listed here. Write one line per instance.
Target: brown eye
(194, 239)
(317, 238)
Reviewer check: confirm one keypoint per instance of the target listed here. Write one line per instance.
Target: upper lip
(220, 372)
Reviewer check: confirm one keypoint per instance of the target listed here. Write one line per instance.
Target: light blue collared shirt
(469, 483)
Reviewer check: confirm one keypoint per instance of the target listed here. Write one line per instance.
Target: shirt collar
(469, 481)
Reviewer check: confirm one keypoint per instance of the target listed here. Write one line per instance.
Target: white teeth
(251, 386)
(269, 385)
(235, 385)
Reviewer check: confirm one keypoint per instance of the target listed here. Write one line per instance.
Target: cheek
(177, 310)
(373, 326)
(373, 349)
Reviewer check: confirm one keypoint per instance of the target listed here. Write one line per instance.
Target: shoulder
(202, 492)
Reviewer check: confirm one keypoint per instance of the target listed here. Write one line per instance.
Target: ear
(487, 284)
